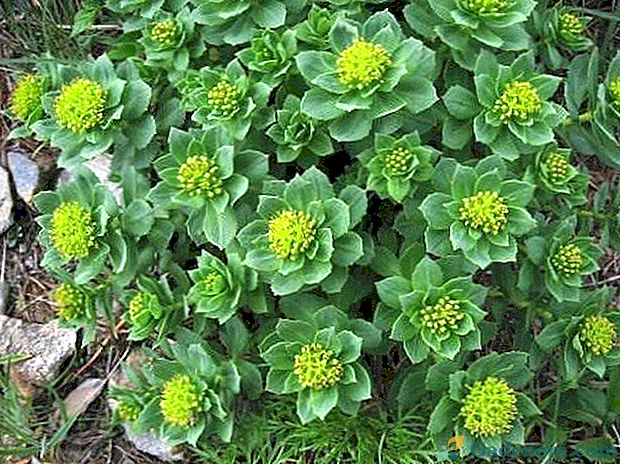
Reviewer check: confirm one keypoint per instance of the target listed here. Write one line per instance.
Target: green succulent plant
(320, 365)
(204, 175)
(221, 290)
(270, 55)
(371, 71)
(434, 314)
(26, 98)
(478, 211)
(508, 112)
(468, 26)
(314, 31)
(297, 136)
(99, 107)
(304, 235)
(397, 166)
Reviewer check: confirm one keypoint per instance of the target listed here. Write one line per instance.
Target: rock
(81, 398)
(46, 346)
(6, 201)
(4, 296)
(25, 174)
(100, 166)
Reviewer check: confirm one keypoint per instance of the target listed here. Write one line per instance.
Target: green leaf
(320, 105)
(391, 289)
(461, 103)
(323, 400)
(138, 218)
(295, 331)
(351, 127)
(85, 17)
(347, 249)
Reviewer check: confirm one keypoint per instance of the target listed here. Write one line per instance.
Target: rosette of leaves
(467, 26)
(314, 31)
(96, 107)
(171, 41)
(552, 170)
(508, 112)
(587, 333)
(226, 98)
(561, 29)
(79, 227)
(237, 23)
(220, 289)
(435, 314)
(477, 210)
(565, 257)
(153, 306)
(483, 403)
(27, 99)
(320, 364)
(396, 166)
(298, 136)
(270, 55)
(303, 236)
(204, 176)
(372, 72)
(184, 398)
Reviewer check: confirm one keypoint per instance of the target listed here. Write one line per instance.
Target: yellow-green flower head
(489, 408)
(140, 305)
(80, 105)
(599, 334)
(485, 7)
(165, 33)
(518, 102)
(69, 301)
(316, 367)
(614, 90)
(397, 162)
(485, 211)
(72, 230)
(26, 96)
(557, 167)
(442, 317)
(568, 259)
(180, 401)
(571, 25)
(223, 99)
(128, 411)
(291, 233)
(362, 64)
(199, 176)
(214, 283)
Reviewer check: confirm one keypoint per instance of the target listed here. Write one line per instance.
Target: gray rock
(4, 296)
(25, 174)
(78, 401)
(46, 346)
(6, 201)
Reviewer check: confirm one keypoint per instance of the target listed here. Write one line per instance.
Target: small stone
(4, 296)
(78, 401)
(46, 347)
(25, 174)
(6, 201)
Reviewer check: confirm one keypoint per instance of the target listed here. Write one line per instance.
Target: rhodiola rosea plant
(363, 209)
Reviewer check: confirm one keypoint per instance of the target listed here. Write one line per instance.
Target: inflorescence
(362, 64)
(291, 233)
(180, 401)
(485, 211)
(316, 367)
(518, 102)
(397, 162)
(223, 99)
(26, 96)
(199, 176)
(443, 316)
(72, 230)
(80, 105)
(599, 334)
(489, 408)
(568, 259)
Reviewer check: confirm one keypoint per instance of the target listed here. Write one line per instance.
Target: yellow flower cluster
(128, 412)
(362, 64)
(571, 25)
(214, 283)
(485, 7)
(291, 233)
(485, 211)
(316, 367)
(489, 408)
(165, 32)
(398, 161)
(80, 105)
(199, 176)
(557, 166)
(26, 96)
(614, 90)
(518, 102)
(599, 334)
(72, 230)
(223, 99)
(444, 316)
(69, 301)
(568, 259)
(180, 401)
